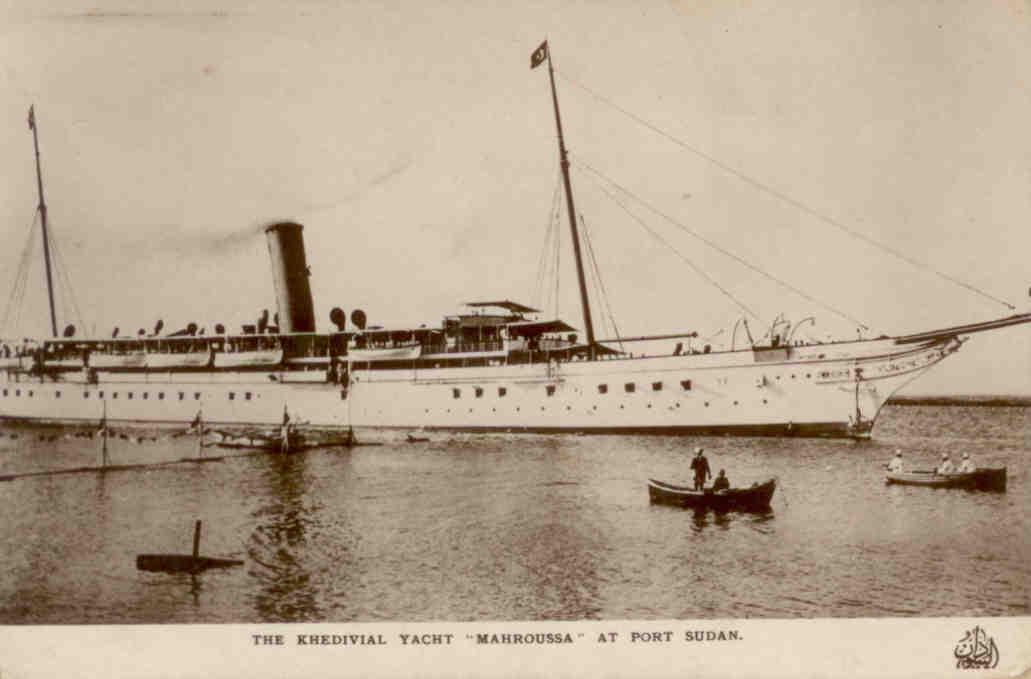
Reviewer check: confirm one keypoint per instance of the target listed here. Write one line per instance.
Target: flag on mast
(32, 117)
(539, 55)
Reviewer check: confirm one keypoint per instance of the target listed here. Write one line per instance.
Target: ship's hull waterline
(814, 393)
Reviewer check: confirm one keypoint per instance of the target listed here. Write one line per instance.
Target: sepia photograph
(552, 339)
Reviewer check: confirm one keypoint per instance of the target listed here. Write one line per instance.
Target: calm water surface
(507, 527)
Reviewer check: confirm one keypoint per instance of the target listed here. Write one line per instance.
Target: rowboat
(983, 478)
(273, 442)
(755, 498)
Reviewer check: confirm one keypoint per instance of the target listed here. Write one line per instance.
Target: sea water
(516, 527)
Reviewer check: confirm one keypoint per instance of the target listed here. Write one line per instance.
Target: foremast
(540, 55)
(43, 219)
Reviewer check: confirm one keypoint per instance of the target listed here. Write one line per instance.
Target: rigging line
(17, 295)
(694, 266)
(542, 262)
(557, 271)
(65, 276)
(601, 284)
(722, 250)
(755, 183)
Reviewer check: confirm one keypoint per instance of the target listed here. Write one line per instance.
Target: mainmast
(541, 54)
(43, 217)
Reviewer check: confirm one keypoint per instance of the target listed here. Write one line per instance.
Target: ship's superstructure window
(161, 396)
(17, 392)
(129, 396)
(685, 385)
(630, 387)
(57, 394)
(502, 391)
(5, 392)
(85, 394)
(478, 391)
(114, 395)
(30, 393)
(550, 389)
(182, 395)
(196, 396)
(100, 394)
(146, 395)
(656, 386)
(232, 395)
(456, 393)
(603, 388)
(247, 396)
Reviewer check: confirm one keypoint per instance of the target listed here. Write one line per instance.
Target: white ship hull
(814, 392)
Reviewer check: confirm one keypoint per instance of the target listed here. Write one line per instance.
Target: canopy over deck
(506, 304)
(530, 328)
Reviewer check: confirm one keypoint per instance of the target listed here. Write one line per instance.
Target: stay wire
(64, 278)
(19, 285)
(766, 188)
(604, 296)
(538, 287)
(721, 250)
(698, 270)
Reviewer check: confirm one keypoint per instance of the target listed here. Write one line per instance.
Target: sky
(418, 149)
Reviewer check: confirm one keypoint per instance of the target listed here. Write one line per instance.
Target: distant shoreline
(985, 401)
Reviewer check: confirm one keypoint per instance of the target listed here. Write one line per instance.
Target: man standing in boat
(895, 465)
(700, 466)
(946, 467)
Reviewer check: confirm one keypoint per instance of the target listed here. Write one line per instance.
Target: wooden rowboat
(753, 499)
(984, 478)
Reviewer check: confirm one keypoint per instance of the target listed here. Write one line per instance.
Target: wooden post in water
(196, 539)
(103, 434)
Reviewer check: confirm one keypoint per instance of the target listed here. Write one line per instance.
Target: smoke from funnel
(290, 277)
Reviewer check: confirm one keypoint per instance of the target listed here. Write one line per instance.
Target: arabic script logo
(976, 650)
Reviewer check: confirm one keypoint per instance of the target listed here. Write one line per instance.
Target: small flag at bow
(539, 55)
(32, 118)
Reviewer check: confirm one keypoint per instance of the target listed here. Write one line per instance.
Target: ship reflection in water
(286, 526)
(506, 527)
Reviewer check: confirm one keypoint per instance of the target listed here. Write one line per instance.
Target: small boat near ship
(755, 498)
(983, 478)
(273, 441)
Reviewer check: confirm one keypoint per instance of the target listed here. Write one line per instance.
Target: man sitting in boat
(895, 465)
(721, 482)
(967, 465)
(946, 467)
(700, 465)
